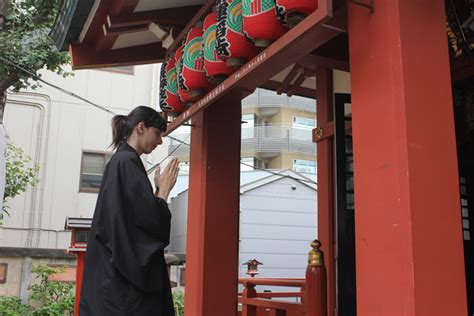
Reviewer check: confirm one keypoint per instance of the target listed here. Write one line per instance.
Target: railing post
(249, 292)
(316, 286)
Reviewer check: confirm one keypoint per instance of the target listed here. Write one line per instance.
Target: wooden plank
(295, 71)
(166, 17)
(274, 304)
(273, 282)
(301, 91)
(86, 57)
(312, 62)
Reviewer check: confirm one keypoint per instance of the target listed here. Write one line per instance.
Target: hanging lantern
(232, 45)
(215, 68)
(169, 99)
(291, 12)
(183, 95)
(192, 69)
(261, 22)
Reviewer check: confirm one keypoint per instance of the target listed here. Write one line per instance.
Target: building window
(81, 236)
(184, 167)
(127, 70)
(92, 169)
(249, 163)
(305, 166)
(303, 122)
(249, 119)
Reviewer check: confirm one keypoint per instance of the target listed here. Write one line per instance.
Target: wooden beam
(326, 182)
(312, 32)
(123, 6)
(206, 7)
(312, 62)
(301, 91)
(326, 130)
(95, 28)
(295, 72)
(85, 56)
(96, 35)
(168, 17)
(292, 89)
(116, 31)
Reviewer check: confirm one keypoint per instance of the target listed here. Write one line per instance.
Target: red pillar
(213, 211)
(79, 272)
(325, 157)
(408, 226)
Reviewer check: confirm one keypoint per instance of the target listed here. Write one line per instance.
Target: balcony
(269, 102)
(268, 141)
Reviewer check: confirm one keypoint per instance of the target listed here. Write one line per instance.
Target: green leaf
(20, 174)
(25, 40)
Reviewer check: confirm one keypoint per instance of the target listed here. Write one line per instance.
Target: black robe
(125, 270)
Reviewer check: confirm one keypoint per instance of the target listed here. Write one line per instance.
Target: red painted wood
(249, 293)
(79, 272)
(86, 57)
(172, 16)
(325, 157)
(250, 304)
(316, 291)
(213, 211)
(409, 252)
(273, 282)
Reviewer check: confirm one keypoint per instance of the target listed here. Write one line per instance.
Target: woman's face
(150, 139)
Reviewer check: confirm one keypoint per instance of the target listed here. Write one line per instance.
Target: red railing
(312, 292)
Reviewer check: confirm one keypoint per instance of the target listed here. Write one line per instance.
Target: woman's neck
(132, 141)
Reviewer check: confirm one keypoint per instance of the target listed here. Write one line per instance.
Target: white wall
(179, 219)
(277, 225)
(54, 128)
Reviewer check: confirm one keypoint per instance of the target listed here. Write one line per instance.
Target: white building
(69, 139)
(278, 221)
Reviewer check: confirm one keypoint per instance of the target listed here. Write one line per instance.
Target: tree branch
(8, 82)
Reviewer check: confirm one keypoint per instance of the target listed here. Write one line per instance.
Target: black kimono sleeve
(133, 224)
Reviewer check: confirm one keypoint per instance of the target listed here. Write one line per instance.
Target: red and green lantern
(260, 21)
(290, 12)
(193, 77)
(183, 95)
(232, 45)
(169, 99)
(216, 69)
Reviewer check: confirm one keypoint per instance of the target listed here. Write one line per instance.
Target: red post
(325, 157)
(316, 283)
(277, 312)
(79, 272)
(409, 248)
(213, 211)
(249, 292)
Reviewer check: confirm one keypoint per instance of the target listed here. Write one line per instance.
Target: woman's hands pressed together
(166, 180)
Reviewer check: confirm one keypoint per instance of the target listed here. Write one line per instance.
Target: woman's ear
(141, 127)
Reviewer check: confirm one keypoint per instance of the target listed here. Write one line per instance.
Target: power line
(150, 170)
(243, 163)
(36, 77)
